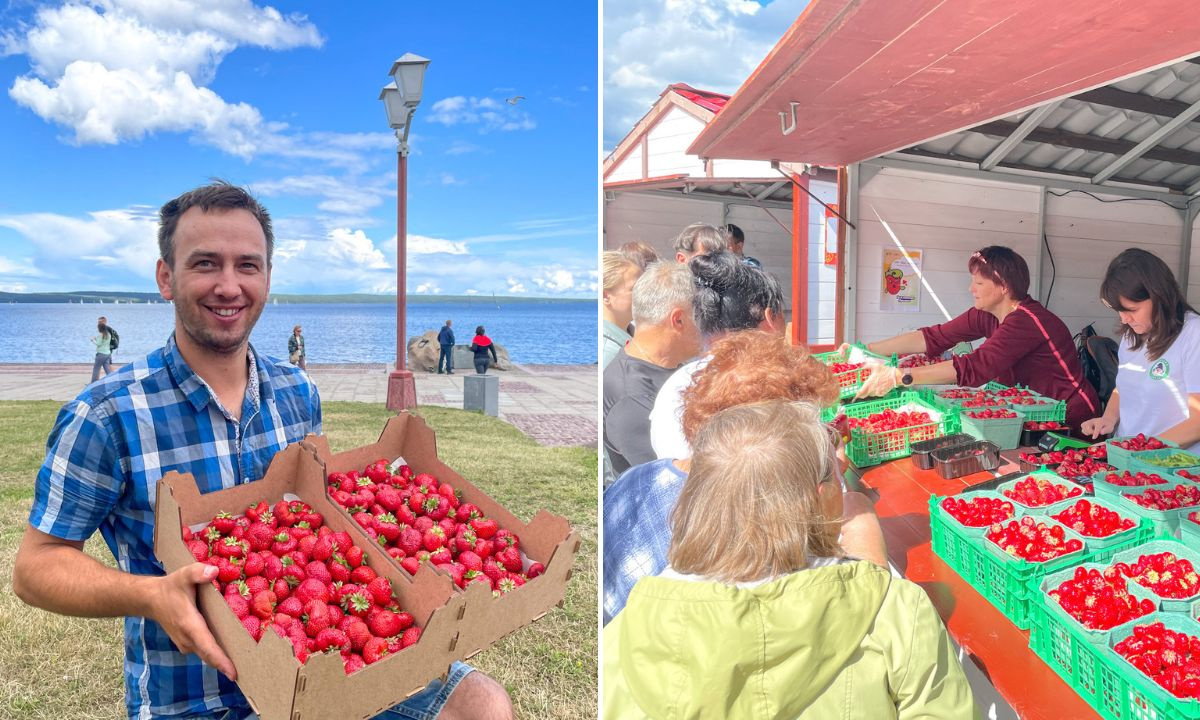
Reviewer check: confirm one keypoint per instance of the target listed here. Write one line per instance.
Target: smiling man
(207, 403)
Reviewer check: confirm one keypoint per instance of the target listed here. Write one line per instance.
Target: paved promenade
(556, 405)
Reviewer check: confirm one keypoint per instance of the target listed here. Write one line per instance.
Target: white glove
(881, 381)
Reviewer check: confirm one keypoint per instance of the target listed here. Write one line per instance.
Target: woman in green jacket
(759, 614)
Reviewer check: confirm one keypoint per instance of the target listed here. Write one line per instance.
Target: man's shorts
(425, 705)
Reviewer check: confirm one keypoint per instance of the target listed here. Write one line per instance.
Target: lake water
(532, 332)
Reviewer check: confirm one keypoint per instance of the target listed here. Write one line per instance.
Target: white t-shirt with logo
(1154, 395)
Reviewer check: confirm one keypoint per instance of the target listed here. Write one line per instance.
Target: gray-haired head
(663, 287)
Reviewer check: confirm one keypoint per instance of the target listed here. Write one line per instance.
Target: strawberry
(493, 570)
(224, 523)
(410, 637)
(375, 650)
(357, 631)
(315, 618)
(354, 556)
(358, 603)
(253, 626)
(484, 548)
(317, 570)
(330, 638)
(470, 560)
(259, 536)
(484, 527)
(253, 564)
(230, 548)
(339, 569)
(441, 556)
(457, 573)
(290, 606)
(381, 590)
(384, 623)
(405, 619)
(505, 586)
(362, 575)
(411, 565)
(312, 589)
(198, 549)
(353, 662)
(263, 604)
(534, 570)
(433, 538)
(238, 604)
(510, 558)
(253, 512)
(229, 570)
(274, 567)
(322, 549)
(467, 512)
(423, 523)
(409, 540)
(283, 544)
(386, 526)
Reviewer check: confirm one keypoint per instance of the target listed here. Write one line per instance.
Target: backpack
(1098, 355)
(113, 339)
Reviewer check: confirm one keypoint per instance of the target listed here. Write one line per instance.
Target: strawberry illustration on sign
(893, 281)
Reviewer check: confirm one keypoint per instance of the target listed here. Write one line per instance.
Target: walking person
(296, 348)
(105, 342)
(481, 345)
(446, 343)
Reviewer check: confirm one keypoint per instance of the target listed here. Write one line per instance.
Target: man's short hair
(699, 238)
(735, 233)
(662, 288)
(218, 194)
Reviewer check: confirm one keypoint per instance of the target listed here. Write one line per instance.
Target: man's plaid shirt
(104, 458)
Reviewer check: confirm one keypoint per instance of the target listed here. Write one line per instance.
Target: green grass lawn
(58, 667)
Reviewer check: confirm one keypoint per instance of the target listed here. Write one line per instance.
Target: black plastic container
(959, 460)
(1029, 438)
(922, 451)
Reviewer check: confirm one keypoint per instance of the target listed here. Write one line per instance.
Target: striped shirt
(104, 458)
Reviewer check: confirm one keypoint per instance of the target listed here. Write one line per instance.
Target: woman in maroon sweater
(1026, 344)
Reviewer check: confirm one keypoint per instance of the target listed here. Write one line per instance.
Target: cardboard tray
(277, 686)
(547, 538)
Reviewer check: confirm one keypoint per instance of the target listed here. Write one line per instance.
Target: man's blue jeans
(446, 357)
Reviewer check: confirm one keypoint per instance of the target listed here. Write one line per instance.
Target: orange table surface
(901, 492)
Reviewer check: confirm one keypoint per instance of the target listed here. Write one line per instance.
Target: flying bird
(515, 99)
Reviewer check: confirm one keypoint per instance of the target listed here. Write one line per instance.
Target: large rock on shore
(423, 355)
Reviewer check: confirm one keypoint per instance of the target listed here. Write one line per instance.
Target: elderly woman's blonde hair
(614, 266)
(750, 507)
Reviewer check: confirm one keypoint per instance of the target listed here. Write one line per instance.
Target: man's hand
(881, 381)
(1096, 427)
(173, 605)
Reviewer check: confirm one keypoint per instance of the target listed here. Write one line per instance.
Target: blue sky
(709, 44)
(108, 108)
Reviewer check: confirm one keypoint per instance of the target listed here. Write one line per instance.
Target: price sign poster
(901, 288)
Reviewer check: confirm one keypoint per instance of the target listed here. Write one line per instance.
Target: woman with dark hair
(1158, 375)
(1025, 343)
(730, 296)
(481, 345)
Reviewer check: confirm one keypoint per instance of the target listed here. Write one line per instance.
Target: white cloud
(710, 44)
(555, 280)
(69, 249)
(345, 200)
(118, 70)
(487, 113)
(515, 286)
(448, 179)
(422, 245)
(472, 291)
(428, 288)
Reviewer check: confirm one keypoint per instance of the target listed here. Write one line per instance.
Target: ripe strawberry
(283, 544)
(381, 590)
(353, 662)
(263, 604)
(457, 573)
(253, 512)
(339, 569)
(354, 556)
(358, 603)
(423, 523)
(253, 626)
(315, 618)
(274, 567)
(230, 548)
(238, 605)
(493, 570)
(411, 565)
(441, 556)
(384, 624)
(505, 586)
(534, 570)
(484, 548)
(291, 606)
(510, 558)
(329, 638)
(253, 564)
(198, 549)
(239, 588)
(224, 523)
(467, 512)
(229, 570)
(410, 637)
(280, 587)
(259, 536)
(405, 619)
(409, 540)
(317, 570)
(362, 575)
(375, 650)
(357, 631)
(433, 538)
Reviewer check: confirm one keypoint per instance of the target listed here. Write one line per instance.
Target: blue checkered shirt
(105, 455)
(637, 528)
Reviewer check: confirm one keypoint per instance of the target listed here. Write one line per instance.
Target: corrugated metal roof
(1084, 135)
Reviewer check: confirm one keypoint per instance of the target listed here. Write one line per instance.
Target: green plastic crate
(1143, 461)
(1130, 555)
(1141, 531)
(851, 381)
(1121, 459)
(1141, 696)
(1108, 491)
(1166, 522)
(1006, 585)
(1046, 409)
(1114, 689)
(867, 448)
(1045, 475)
(1005, 433)
(1053, 580)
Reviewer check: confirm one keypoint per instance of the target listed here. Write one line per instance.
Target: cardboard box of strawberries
(320, 614)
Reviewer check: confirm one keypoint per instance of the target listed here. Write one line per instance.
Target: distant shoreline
(100, 297)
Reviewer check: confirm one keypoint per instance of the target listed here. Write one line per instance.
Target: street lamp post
(400, 98)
